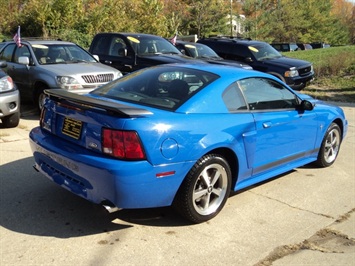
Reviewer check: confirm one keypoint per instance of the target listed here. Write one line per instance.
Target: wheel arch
(232, 160)
(339, 122)
(38, 85)
(277, 75)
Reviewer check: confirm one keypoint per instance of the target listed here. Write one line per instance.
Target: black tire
(11, 120)
(330, 146)
(201, 197)
(40, 96)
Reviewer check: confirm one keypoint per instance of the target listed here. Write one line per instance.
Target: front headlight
(291, 73)
(6, 84)
(68, 83)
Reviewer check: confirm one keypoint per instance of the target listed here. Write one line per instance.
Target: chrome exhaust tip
(109, 206)
(35, 167)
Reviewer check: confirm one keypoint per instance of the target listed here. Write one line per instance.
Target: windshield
(165, 87)
(60, 54)
(201, 51)
(264, 52)
(146, 45)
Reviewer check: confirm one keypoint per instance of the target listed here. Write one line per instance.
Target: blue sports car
(183, 135)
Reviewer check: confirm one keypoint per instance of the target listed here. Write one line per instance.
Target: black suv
(263, 57)
(128, 52)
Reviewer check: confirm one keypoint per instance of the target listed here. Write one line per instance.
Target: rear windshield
(165, 87)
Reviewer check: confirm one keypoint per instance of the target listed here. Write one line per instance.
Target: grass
(334, 72)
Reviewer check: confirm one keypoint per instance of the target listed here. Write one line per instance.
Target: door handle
(108, 62)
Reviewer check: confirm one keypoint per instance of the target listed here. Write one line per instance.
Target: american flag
(17, 37)
(173, 39)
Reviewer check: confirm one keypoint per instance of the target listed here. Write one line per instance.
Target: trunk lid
(81, 118)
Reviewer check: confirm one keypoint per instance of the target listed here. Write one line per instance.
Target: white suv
(41, 64)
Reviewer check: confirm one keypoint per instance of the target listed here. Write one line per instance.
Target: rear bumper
(100, 179)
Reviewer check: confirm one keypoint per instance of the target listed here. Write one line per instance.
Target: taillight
(122, 144)
(41, 118)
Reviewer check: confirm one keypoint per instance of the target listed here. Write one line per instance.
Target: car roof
(133, 34)
(232, 40)
(46, 42)
(224, 71)
(190, 43)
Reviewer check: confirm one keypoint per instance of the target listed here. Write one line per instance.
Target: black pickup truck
(128, 52)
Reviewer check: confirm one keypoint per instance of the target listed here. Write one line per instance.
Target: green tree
(149, 14)
(177, 17)
(331, 21)
(208, 17)
(294, 21)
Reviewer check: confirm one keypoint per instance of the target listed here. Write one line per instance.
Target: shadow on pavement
(32, 204)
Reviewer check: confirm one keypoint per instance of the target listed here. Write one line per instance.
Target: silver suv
(9, 100)
(41, 64)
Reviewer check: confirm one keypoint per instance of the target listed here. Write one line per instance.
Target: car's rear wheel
(11, 120)
(205, 189)
(330, 146)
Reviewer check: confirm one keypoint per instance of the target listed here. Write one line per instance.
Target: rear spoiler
(89, 102)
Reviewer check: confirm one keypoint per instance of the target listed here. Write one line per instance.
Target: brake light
(122, 144)
(41, 118)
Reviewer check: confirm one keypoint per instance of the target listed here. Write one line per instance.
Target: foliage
(333, 61)
(300, 21)
(331, 21)
(335, 72)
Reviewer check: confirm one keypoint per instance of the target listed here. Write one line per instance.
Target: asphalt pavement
(304, 217)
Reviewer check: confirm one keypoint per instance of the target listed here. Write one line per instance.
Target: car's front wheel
(205, 189)
(330, 146)
(40, 96)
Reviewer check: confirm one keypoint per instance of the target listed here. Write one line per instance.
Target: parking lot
(304, 217)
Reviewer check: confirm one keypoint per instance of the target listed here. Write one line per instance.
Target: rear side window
(233, 98)
(240, 52)
(101, 45)
(7, 52)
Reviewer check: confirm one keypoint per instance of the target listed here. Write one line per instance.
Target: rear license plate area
(72, 128)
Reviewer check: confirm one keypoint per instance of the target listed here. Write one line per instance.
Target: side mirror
(122, 52)
(24, 60)
(306, 105)
(3, 64)
(96, 57)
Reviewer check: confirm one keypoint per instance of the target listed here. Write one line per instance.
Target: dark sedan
(205, 53)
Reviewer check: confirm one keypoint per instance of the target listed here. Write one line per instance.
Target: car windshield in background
(144, 45)
(264, 52)
(60, 54)
(201, 51)
(162, 87)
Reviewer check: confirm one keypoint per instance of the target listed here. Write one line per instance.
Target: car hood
(79, 68)
(286, 61)
(227, 63)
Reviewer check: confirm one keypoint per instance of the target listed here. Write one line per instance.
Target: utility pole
(231, 19)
